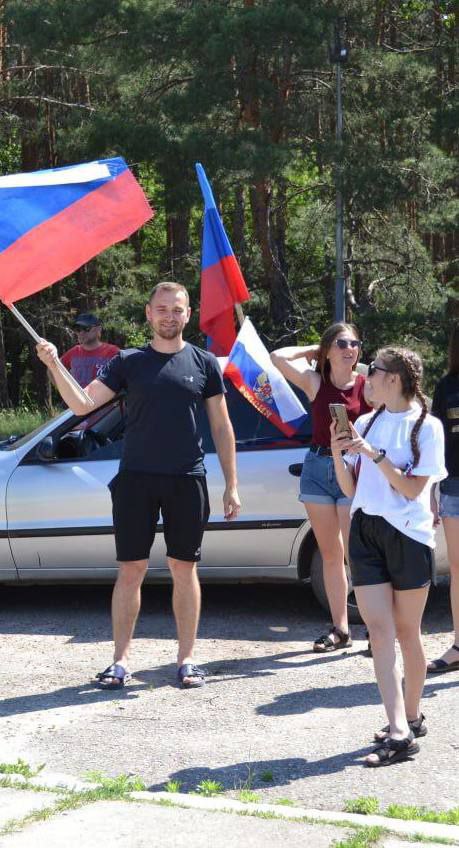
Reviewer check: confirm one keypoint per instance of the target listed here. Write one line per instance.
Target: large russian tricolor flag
(52, 222)
(222, 283)
(250, 369)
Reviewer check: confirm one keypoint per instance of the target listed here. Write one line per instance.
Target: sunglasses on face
(80, 329)
(344, 343)
(372, 369)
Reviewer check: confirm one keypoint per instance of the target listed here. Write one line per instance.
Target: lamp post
(338, 57)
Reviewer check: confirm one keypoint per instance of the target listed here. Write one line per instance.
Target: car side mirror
(46, 450)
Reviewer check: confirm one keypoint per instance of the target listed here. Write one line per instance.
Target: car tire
(318, 587)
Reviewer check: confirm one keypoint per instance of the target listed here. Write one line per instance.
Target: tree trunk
(281, 303)
(178, 241)
(238, 223)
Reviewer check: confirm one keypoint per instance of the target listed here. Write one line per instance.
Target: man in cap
(85, 359)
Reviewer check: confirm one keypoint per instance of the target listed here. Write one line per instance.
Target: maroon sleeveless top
(352, 398)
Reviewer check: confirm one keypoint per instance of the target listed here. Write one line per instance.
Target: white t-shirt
(375, 496)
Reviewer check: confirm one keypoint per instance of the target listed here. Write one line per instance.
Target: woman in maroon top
(333, 379)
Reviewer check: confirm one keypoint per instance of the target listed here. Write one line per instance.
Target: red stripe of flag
(57, 247)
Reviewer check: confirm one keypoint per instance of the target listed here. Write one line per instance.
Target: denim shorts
(449, 498)
(318, 482)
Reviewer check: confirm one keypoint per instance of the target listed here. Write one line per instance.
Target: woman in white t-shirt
(391, 461)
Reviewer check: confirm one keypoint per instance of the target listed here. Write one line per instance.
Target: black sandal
(324, 644)
(190, 672)
(114, 677)
(417, 725)
(369, 650)
(440, 666)
(393, 751)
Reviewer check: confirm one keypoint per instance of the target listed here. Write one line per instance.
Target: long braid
(414, 433)
(408, 366)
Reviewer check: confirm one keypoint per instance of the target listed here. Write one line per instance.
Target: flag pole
(83, 395)
(239, 313)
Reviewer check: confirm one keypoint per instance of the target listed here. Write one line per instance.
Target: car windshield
(252, 428)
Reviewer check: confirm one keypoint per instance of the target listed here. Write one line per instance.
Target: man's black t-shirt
(445, 406)
(164, 394)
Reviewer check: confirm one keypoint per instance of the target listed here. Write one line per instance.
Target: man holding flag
(161, 468)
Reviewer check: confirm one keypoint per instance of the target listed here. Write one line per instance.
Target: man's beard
(167, 333)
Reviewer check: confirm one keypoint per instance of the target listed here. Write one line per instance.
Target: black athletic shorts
(138, 498)
(379, 553)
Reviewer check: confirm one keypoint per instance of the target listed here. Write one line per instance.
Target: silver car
(55, 507)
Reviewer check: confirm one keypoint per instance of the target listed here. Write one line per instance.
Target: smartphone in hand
(338, 413)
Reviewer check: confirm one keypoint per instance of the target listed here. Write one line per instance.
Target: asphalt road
(273, 716)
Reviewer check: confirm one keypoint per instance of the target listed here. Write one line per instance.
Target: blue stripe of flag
(24, 207)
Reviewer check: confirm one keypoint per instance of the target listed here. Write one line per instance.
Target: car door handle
(295, 469)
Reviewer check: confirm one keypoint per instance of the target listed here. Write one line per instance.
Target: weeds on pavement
(208, 788)
(364, 838)
(369, 805)
(21, 767)
(248, 796)
(173, 786)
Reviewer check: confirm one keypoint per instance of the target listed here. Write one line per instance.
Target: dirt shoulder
(273, 716)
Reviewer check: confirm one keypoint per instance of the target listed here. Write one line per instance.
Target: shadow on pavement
(264, 773)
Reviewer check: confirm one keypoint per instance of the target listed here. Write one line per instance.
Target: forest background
(247, 88)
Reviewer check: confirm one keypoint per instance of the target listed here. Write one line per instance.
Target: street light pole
(338, 56)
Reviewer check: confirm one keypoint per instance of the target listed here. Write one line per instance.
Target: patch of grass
(20, 420)
(267, 776)
(285, 802)
(21, 767)
(248, 782)
(114, 789)
(173, 786)
(402, 811)
(248, 796)
(209, 788)
(367, 805)
(115, 786)
(364, 838)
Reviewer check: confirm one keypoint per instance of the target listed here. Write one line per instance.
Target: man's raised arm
(97, 391)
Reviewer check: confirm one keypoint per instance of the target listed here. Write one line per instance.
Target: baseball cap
(86, 320)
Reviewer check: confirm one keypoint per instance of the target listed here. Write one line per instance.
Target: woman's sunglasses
(344, 343)
(372, 368)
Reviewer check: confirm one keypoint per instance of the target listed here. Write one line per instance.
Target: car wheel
(318, 587)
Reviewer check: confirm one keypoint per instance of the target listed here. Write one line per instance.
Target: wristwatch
(381, 455)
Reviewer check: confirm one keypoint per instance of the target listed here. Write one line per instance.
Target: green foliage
(20, 421)
(209, 788)
(267, 776)
(402, 811)
(173, 786)
(21, 767)
(249, 91)
(364, 838)
(248, 796)
(367, 805)
(116, 786)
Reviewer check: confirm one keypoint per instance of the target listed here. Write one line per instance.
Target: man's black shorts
(137, 500)
(379, 553)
